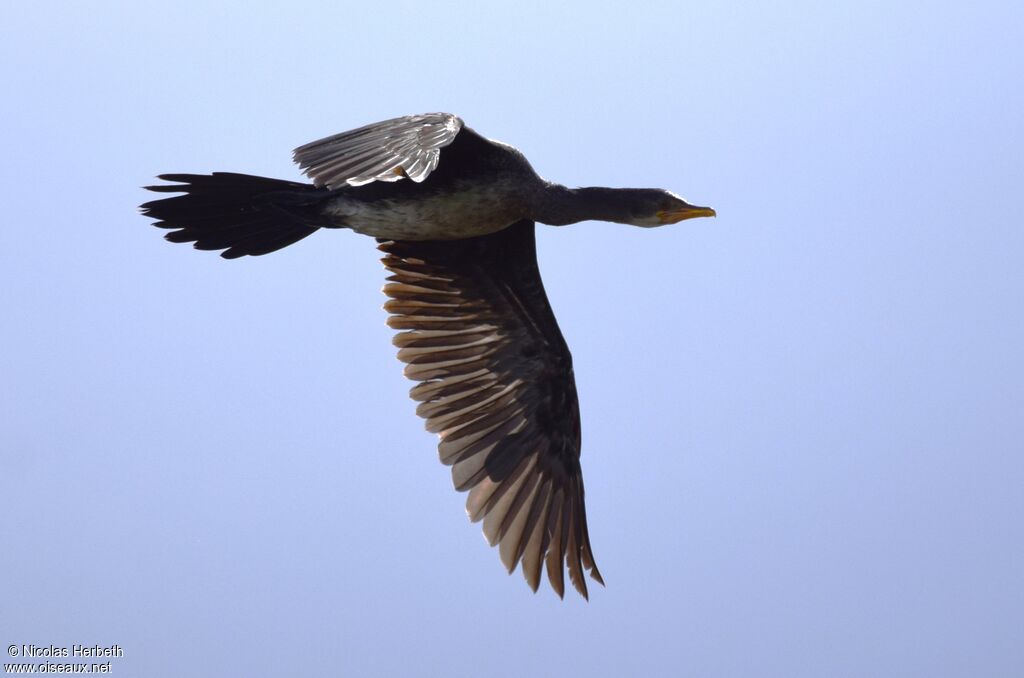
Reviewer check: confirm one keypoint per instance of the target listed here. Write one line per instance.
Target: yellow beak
(688, 212)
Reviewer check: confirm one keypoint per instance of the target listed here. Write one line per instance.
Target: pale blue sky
(802, 420)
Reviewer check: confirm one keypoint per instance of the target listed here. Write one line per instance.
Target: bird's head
(649, 207)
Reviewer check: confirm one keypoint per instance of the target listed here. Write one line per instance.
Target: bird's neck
(559, 205)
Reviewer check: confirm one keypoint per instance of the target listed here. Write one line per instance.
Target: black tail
(239, 213)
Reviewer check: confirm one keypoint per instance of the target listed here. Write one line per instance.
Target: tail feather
(238, 213)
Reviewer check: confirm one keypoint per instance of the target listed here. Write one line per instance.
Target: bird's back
(479, 187)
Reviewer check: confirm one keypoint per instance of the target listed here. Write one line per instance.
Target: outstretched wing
(496, 383)
(385, 151)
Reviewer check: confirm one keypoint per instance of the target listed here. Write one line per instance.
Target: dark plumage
(454, 213)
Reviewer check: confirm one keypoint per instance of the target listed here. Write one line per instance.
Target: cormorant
(454, 214)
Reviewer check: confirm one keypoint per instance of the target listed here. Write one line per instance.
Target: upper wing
(497, 385)
(383, 151)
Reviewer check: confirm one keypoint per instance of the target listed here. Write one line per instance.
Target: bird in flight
(454, 215)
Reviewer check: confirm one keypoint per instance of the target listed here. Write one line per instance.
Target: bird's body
(469, 209)
(480, 188)
(455, 215)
